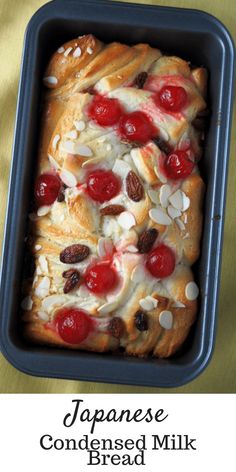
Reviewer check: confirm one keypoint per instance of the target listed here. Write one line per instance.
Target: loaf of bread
(117, 220)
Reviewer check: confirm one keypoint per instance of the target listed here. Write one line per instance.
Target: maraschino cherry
(104, 111)
(178, 165)
(101, 278)
(74, 325)
(161, 261)
(46, 189)
(172, 98)
(137, 127)
(103, 185)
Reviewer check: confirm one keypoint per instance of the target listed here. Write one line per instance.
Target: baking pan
(191, 34)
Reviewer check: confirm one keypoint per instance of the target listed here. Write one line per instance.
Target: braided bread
(118, 212)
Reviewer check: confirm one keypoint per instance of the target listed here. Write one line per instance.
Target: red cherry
(46, 189)
(137, 127)
(101, 278)
(172, 98)
(73, 325)
(103, 185)
(161, 261)
(105, 111)
(178, 165)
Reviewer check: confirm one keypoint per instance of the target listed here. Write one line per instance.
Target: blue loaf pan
(193, 35)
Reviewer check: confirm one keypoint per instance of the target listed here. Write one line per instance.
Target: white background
(211, 419)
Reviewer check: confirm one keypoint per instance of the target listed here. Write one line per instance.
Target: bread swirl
(141, 312)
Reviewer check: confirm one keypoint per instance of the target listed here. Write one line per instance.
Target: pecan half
(72, 280)
(134, 187)
(141, 320)
(140, 80)
(146, 240)
(74, 253)
(163, 145)
(112, 210)
(116, 327)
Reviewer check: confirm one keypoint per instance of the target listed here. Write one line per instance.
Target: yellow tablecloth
(220, 376)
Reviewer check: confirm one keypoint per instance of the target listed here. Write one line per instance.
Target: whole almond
(72, 281)
(146, 240)
(74, 253)
(112, 210)
(134, 187)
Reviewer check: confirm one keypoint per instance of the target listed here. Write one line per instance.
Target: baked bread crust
(71, 145)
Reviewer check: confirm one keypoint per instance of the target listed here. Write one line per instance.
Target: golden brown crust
(72, 145)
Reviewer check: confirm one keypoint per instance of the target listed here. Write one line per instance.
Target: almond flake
(173, 212)
(105, 247)
(131, 248)
(43, 210)
(165, 192)
(42, 290)
(52, 300)
(152, 300)
(186, 202)
(160, 176)
(137, 274)
(92, 161)
(43, 316)
(159, 216)
(186, 236)
(121, 168)
(107, 307)
(191, 291)
(27, 303)
(55, 140)
(154, 196)
(176, 200)
(37, 247)
(79, 124)
(71, 134)
(178, 304)
(180, 224)
(83, 150)
(77, 52)
(126, 220)
(53, 162)
(68, 178)
(67, 51)
(166, 319)
(146, 304)
(89, 50)
(61, 50)
(43, 264)
(50, 80)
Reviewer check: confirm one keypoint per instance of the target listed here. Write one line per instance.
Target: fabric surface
(220, 375)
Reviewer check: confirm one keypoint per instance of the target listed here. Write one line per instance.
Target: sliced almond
(173, 212)
(27, 303)
(191, 291)
(131, 248)
(37, 247)
(186, 202)
(43, 264)
(53, 162)
(166, 319)
(146, 304)
(55, 140)
(159, 216)
(137, 274)
(42, 290)
(50, 80)
(180, 224)
(71, 134)
(68, 178)
(176, 200)
(154, 196)
(178, 304)
(67, 51)
(77, 52)
(107, 307)
(61, 50)
(152, 300)
(80, 125)
(121, 168)
(43, 316)
(165, 192)
(126, 220)
(43, 210)
(105, 247)
(160, 175)
(49, 302)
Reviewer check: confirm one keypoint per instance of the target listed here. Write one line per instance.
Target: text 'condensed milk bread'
(118, 197)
